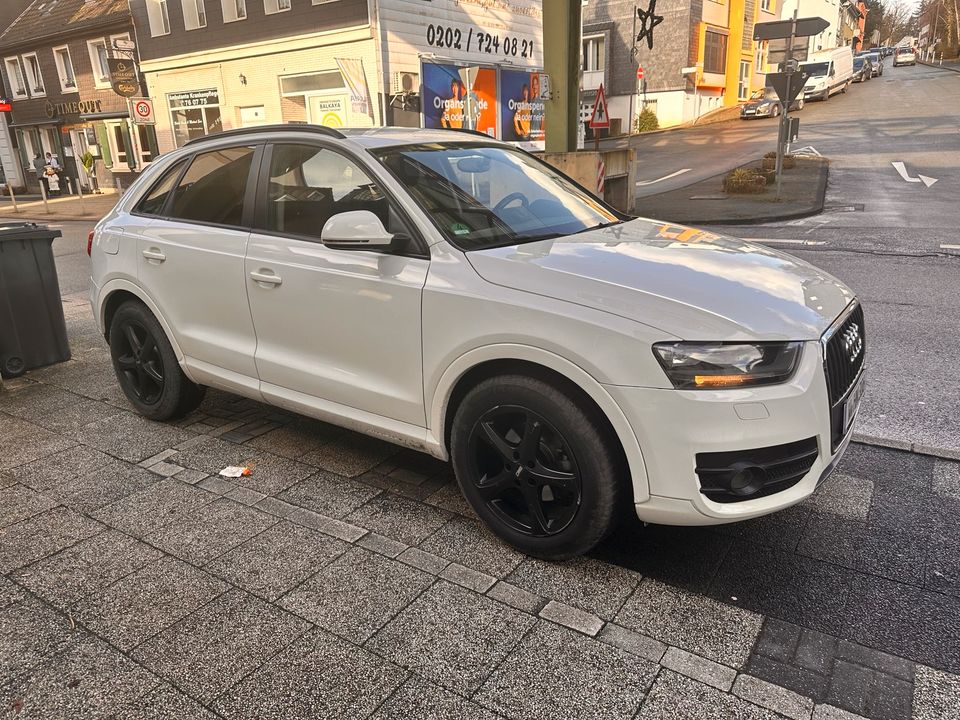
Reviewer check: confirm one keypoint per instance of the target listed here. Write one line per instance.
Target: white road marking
(902, 169)
(784, 241)
(665, 177)
(806, 150)
(948, 246)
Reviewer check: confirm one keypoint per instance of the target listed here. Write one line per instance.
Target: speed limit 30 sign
(141, 110)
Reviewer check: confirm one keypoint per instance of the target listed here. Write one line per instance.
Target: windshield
(761, 94)
(874, 58)
(818, 68)
(858, 62)
(482, 196)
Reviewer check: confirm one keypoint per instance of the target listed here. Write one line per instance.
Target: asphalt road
(887, 238)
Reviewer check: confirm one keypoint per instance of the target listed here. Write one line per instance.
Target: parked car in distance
(861, 69)
(457, 295)
(876, 64)
(830, 72)
(904, 56)
(765, 103)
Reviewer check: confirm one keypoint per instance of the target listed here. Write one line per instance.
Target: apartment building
(55, 66)
(846, 18)
(715, 37)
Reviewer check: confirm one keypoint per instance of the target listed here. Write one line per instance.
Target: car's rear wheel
(147, 366)
(537, 465)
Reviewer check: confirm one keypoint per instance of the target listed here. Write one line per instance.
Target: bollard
(43, 193)
(80, 195)
(13, 198)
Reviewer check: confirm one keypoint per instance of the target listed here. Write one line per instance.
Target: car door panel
(340, 325)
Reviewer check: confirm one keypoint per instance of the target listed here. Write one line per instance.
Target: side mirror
(355, 230)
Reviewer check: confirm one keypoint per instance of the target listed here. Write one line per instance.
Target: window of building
(48, 139)
(18, 85)
(119, 137)
(153, 201)
(715, 52)
(766, 5)
(68, 80)
(98, 61)
(194, 14)
(34, 76)
(743, 84)
(275, 6)
(194, 113)
(158, 17)
(147, 144)
(212, 189)
(594, 53)
(309, 185)
(234, 10)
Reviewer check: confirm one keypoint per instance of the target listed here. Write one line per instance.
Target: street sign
(600, 118)
(124, 45)
(5, 106)
(640, 72)
(123, 77)
(141, 110)
(788, 86)
(781, 28)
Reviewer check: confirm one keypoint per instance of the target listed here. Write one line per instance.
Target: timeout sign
(141, 110)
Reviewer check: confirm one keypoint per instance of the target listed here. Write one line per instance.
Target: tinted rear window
(153, 202)
(212, 189)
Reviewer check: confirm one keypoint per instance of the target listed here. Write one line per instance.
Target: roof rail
(470, 131)
(298, 127)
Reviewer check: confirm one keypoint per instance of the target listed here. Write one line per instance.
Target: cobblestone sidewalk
(347, 578)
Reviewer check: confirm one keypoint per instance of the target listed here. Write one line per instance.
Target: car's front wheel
(147, 366)
(538, 465)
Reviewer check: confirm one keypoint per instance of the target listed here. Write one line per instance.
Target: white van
(830, 71)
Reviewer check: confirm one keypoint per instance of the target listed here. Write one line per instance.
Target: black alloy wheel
(526, 471)
(140, 363)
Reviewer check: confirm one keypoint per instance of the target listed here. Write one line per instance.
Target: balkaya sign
(77, 107)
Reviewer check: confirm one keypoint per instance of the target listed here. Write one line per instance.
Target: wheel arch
(481, 363)
(115, 293)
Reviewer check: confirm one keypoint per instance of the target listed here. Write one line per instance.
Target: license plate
(852, 404)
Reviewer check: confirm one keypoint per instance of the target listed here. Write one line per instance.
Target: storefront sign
(123, 77)
(456, 97)
(78, 107)
(522, 111)
(193, 98)
(331, 112)
(5, 106)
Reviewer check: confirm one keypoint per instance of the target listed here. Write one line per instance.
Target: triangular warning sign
(600, 118)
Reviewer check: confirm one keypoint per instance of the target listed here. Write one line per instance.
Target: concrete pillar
(561, 61)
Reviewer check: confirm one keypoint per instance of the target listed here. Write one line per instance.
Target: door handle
(154, 256)
(266, 279)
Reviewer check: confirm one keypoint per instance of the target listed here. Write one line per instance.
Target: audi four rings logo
(852, 342)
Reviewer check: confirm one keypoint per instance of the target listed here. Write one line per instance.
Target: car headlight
(711, 366)
(764, 106)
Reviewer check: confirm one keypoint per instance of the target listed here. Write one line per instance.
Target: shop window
(234, 10)
(98, 61)
(18, 85)
(714, 52)
(212, 189)
(308, 185)
(147, 143)
(194, 14)
(158, 17)
(194, 113)
(119, 146)
(275, 6)
(33, 75)
(154, 201)
(68, 80)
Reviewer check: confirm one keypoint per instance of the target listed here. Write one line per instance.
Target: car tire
(800, 104)
(537, 466)
(146, 365)
(775, 112)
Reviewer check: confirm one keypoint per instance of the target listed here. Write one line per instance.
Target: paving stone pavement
(346, 578)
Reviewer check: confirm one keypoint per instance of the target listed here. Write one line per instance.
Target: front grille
(776, 468)
(844, 353)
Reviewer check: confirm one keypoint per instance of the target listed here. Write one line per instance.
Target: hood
(689, 283)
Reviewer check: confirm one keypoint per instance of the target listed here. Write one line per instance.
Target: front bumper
(673, 426)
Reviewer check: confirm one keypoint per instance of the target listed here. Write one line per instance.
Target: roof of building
(49, 18)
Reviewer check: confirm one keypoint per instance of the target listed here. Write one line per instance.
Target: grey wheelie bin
(32, 329)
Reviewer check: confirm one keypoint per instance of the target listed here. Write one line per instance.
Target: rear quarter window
(213, 188)
(155, 199)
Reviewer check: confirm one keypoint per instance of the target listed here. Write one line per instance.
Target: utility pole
(633, 57)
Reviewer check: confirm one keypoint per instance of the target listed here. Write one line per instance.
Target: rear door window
(153, 202)
(214, 187)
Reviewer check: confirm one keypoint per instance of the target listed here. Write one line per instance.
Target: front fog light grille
(740, 475)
